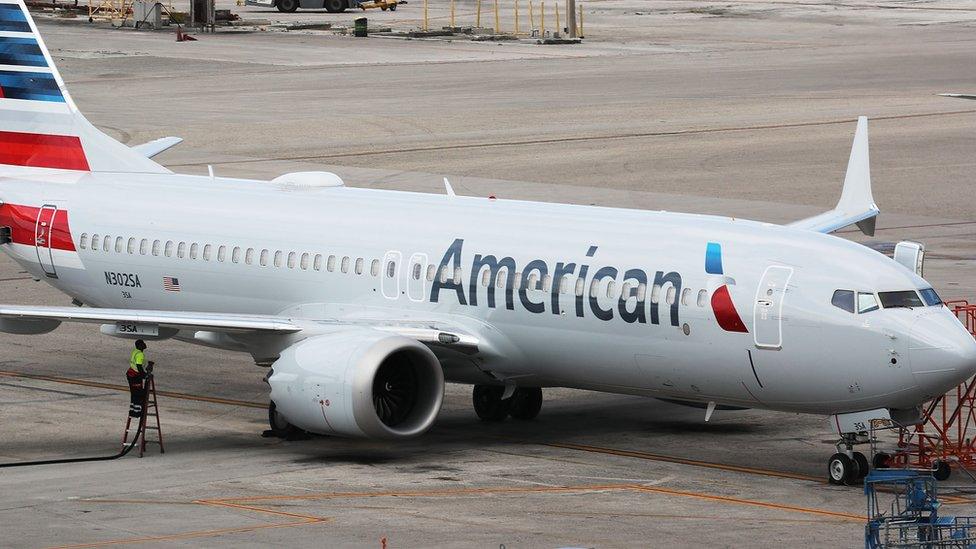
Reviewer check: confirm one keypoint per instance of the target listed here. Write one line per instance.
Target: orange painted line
(125, 389)
(186, 535)
(755, 503)
(216, 503)
(683, 461)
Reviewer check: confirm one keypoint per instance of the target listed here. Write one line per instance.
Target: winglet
(856, 205)
(157, 146)
(448, 188)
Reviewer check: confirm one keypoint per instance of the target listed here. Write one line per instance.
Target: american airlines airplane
(365, 302)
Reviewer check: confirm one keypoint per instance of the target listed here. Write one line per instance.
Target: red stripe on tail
(42, 151)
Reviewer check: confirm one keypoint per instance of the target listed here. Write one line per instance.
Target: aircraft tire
(279, 425)
(841, 469)
(881, 460)
(526, 403)
(941, 470)
(488, 403)
(287, 6)
(862, 465)
(335, 6)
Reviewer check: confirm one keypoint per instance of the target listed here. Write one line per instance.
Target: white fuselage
(238, 246)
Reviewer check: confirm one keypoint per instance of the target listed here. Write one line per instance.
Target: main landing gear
(524, 403)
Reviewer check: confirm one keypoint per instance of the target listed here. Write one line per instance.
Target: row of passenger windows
(304, 261)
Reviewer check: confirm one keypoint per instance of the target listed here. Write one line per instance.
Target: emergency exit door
(43, 238)
(768, 312)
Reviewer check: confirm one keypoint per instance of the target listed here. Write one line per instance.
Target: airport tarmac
(738, 108)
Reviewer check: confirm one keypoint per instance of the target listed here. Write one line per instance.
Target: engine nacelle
(358, 383)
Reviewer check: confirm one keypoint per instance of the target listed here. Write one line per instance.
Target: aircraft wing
(856, 205)
(428, 333)
(157, 146)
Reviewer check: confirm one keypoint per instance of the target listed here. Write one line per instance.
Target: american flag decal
(171, 284)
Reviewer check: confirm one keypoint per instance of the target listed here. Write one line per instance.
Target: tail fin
(40, 126)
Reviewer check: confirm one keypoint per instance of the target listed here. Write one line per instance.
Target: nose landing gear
(847, 466)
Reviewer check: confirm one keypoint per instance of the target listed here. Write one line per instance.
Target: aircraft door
(43, 237)
(416, 280)
(768, 311)
(391, 274)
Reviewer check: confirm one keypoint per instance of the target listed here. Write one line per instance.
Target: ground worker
(136, 375)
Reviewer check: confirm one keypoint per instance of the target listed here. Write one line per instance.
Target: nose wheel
(847, 467)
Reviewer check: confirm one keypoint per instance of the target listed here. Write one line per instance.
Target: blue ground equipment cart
(903, 511)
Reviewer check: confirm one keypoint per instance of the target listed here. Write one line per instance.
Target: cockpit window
(843, 299)
(930, 297)
(904, 298)
(866, 303)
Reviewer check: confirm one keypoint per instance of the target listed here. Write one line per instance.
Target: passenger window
(625, 290)
(330, 266)
(458, 276)
(249, 256)
(641, 291)
(580, 287)
(278, 258)
(304, 263)
(671, 296)
(181, 250)
(107, 243)
(565, 283)
(611, 286)
(194, 250)
(94, 243)
(345, 264)
(390, 269)
(374, 269)
(546, 283)
(930, 297)
(360, 265)
(500, 280)
(418, 271)
(533, 282)
(155, 247)
(131, 246)
(221, 253)
(292, 256)
(144, 246)
(485, 275)
(655, 294)
(207, 252)
(168, 250)
(866, 302)
(518, 280)
(317, 262)
(264, 257)
(431, 271)
(685, 296)
(235, 254)
(118, 244)
(702, 294)
(843, 299)
(443, 275)
(84, 241)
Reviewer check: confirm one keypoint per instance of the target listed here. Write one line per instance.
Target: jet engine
(358, 383)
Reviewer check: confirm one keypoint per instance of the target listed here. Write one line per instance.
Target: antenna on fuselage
(448, 188)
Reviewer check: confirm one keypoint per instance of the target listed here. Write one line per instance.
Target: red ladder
(150, 410)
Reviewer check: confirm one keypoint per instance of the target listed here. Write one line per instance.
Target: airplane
(364, 302)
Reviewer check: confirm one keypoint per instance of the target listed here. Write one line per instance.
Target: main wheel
(335, 6)
(841, 469)
(862, 465)
(279, 425)
(941, 470)
(526, 403)
(488, 403)
(287, 6)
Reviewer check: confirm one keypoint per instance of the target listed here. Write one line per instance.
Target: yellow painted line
(125, 389)
(683, 461)
(752, 502)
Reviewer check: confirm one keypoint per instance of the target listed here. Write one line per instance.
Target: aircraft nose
(941, 352)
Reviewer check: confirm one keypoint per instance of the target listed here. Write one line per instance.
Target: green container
(360, 29)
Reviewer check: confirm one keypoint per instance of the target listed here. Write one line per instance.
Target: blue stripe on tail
(21, 51)
(12, 19)
(31, 86)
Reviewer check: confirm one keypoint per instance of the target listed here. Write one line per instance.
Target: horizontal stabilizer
(856, 205)
(157, 146)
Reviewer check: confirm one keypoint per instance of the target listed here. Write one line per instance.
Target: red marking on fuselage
(42, 151)
(725, 313)
(22, 221)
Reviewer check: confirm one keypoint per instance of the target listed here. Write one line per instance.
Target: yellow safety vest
(136, 360)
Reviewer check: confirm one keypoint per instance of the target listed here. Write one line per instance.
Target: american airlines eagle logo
(725, 313)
